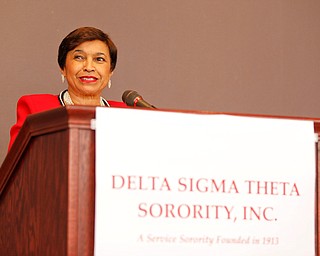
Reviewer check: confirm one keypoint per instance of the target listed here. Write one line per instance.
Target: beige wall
(248, 56)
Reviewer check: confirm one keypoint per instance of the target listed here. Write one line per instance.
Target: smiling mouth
(88, 79)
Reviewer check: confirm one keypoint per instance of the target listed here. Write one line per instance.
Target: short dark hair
(81, 35)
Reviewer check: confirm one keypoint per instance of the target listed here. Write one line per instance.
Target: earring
(109, 83)
(62, 78)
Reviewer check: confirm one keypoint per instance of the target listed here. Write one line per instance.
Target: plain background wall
(247, 56)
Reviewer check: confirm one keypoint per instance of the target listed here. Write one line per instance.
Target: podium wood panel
(47, 185)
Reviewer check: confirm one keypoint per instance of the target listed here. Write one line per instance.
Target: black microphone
(133, 99)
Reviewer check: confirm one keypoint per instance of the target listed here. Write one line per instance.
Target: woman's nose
(89, 65)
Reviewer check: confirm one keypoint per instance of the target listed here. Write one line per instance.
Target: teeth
(88, 79)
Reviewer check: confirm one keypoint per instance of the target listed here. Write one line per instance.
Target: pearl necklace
(68, 101)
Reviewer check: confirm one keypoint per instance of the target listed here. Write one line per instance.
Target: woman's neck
(85, 100)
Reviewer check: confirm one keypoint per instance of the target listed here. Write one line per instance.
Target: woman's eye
(78, 57)
(100, 59)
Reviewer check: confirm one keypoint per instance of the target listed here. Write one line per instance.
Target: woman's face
(87, 69)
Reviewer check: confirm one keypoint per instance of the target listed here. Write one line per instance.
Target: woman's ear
(63, 72)
(63, 75)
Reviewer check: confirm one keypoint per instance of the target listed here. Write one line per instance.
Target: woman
(87, 58)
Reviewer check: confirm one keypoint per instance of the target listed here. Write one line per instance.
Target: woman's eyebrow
(78, 50)
(100, 53)
(97, 53)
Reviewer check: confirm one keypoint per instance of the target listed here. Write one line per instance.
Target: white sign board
(196, 184)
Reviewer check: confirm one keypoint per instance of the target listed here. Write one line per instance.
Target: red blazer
(31, 104)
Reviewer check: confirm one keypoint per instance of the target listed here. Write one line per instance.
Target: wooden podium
(47, 186)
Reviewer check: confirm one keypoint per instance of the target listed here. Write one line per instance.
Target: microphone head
(134, 99)
(129, 97)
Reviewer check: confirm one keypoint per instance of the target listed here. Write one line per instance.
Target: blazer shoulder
(39, 102)
(117, 104)
(39, 98)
